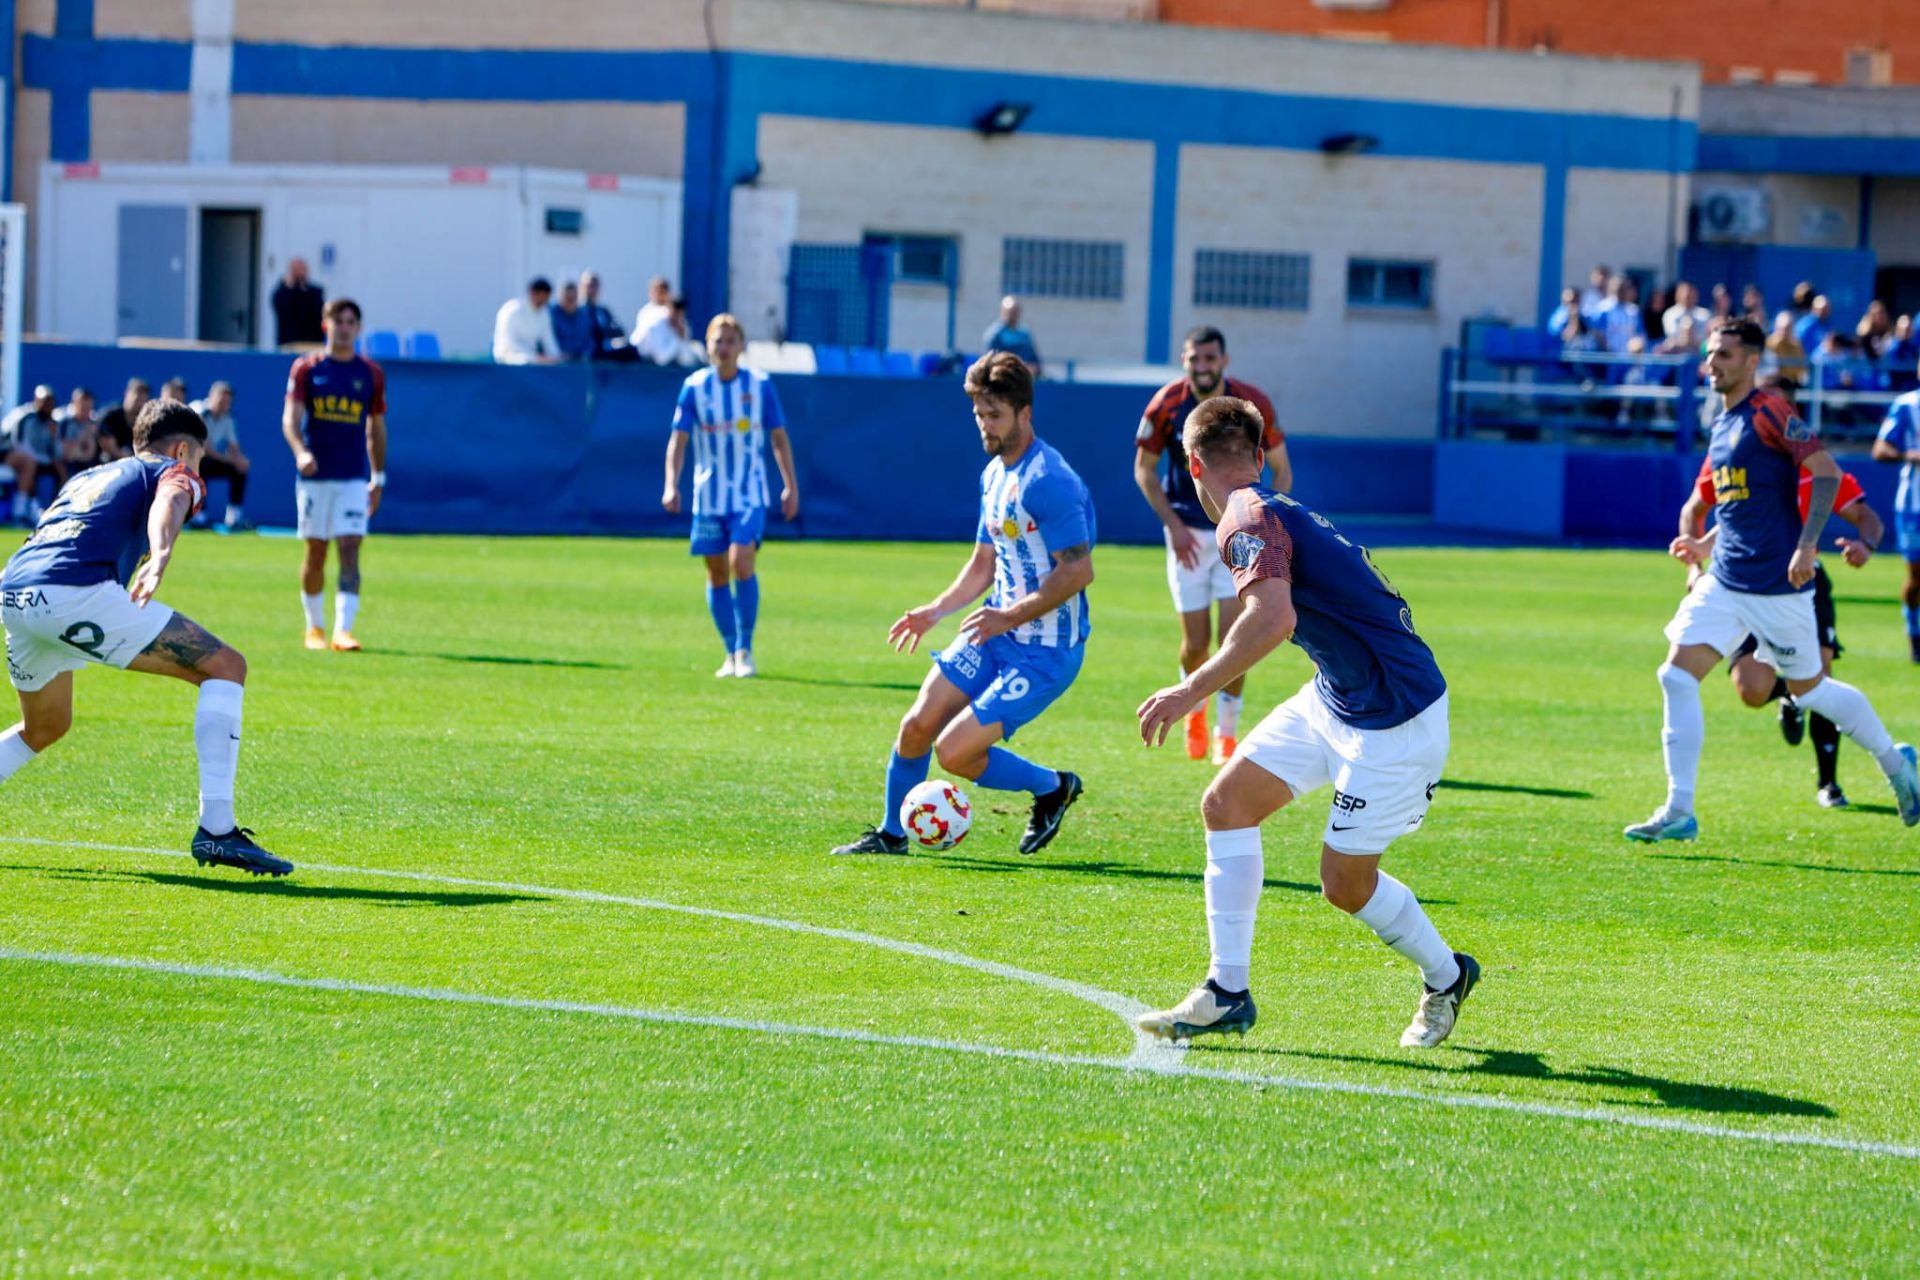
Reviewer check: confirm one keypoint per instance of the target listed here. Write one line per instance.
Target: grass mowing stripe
(1173, 1067)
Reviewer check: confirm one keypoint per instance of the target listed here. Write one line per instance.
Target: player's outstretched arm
(676, 458)
(171, 507)
(1071, 574)
(290, 416)
(1266, 621)
(789, 478)
(974, 578)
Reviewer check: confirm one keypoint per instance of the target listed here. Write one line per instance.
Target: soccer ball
(936, 815)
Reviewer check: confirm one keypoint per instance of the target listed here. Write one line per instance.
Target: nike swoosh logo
(1337, 827)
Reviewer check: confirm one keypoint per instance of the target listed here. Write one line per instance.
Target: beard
(1206, 383)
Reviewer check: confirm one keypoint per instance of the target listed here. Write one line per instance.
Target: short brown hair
(1224, 428)
(1744, 328)
(1002, 376)
(340, 306)
(162, 420)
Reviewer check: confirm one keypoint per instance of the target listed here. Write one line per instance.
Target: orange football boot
(1223, 747)
(1197, 734)
(316, 638)
(343, 642)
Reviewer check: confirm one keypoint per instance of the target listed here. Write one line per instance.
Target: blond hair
(725, 320)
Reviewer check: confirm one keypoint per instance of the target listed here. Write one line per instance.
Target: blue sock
(1006, 771)
(903, 775)
(1912, 615)
(720, 605)
(746, 609)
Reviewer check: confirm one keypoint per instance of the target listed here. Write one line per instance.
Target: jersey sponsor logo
(337, 408)
(1243, 550)
(26, 598)
(1348, 804)
(1730, 484)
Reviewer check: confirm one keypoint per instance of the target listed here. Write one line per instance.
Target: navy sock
(903, 775)
(720, 605)
(1826, 747)
(1912, 615)
(1006, 771)
(746, 610)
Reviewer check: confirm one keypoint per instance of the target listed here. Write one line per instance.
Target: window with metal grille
(1264, 281)
(1063, 268)
(919, 259)
(1390, 283)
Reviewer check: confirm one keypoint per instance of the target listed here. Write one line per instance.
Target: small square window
(1394, 284)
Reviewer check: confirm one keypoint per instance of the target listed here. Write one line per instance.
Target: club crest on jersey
(1798, 428)
(1010, 527)
(1243, 550)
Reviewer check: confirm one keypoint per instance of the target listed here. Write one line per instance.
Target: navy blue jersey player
(1017, 654)
(64, 606)
(1372, 721)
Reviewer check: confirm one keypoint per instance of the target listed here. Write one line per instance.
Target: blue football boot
(1664, 825)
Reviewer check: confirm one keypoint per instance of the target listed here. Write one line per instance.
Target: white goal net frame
(13, 284)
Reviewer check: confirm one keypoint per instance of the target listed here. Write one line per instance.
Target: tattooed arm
(171, 507)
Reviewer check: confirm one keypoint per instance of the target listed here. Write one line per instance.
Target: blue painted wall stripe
(491, 75)
(1163, 245)
(1553, 239)
(1847, 157)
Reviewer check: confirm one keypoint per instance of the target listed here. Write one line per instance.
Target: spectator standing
(658, 311)
(523, 328)
(1812, 328)
(1594, 296)
(1686, 308)
(1875, 330)
(1007, 334)
(116, 424)
(224, 459)
(296, 307)
(31, 435)
(1619, 319)
(572, 327)
(609, 339)
(77, 433)
(1788, 357)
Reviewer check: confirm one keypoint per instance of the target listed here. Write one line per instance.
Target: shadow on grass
(1791, 866)
(1552, 793)
(1104, 870)
(840, 684)
(1673, 1095)
(507, 660)
(215, 882)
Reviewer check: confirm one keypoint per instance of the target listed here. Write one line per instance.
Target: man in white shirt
(1686, 307)
(224, 459)
(523, 331)
(658, 313)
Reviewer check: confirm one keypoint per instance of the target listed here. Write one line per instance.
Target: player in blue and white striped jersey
(1899, 441)
(731, 413)
(1017, 654)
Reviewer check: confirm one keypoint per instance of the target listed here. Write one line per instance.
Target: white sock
(233, 514)
(1235, 869)
(316, 607)
(1683, 731)
(14, 752)
(346, 607)
(1395, 914)
(216, 739)
(1854, 716)
(19, 503)
(1226, 714)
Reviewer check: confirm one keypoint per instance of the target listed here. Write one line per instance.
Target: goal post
(13, 281)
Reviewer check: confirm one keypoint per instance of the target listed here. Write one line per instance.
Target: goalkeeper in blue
(1020, 651)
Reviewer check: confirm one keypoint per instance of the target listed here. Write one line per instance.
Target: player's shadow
(822, 682)
(510, 660)
(1673, 1095)
(280, 888)
(1510, 788)
(1105, 870)
(1790, 866)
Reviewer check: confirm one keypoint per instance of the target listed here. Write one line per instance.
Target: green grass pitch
(541, 716)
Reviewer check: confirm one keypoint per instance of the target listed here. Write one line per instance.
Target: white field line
(1149, 1056)
(1175, 1067)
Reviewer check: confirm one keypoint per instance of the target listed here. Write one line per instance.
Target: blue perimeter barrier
(481, 448)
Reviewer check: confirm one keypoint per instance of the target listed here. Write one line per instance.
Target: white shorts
(332, 508)
(1197, 588)
(1716, 615)
(1383, 779)
(55, 629)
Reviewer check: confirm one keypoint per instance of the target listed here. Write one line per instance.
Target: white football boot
(743, 664)
(1433, 1020)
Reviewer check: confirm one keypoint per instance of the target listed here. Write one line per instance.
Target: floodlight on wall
(1349, 144)
(1002, 117)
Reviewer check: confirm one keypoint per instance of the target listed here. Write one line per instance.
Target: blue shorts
(712, 535)
(1906, 534)
(1010, 683)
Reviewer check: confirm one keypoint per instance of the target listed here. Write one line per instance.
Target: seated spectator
(1618, 321)
(1785, 355)
(1901, 351)
(1722, 303)
(29, 436)
(1594, 296)
(116, 424)
(657, 313)
(1569, 306)
(572, 327)
(223, 459)
(1802, 300)
(670, 341)
(1653, 315)
(1576, 333)
(609, 339)
(1753, 304)
(78, 434)
(522, 329)
(1813, 327)
(1683, 339)
(173, 390)
(1874, 331)
(1006, 334)
(1686, 308)
(1836, 368)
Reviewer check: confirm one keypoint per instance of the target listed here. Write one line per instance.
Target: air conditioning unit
(1733, 213)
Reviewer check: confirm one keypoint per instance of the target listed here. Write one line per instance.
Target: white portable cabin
(194, 252)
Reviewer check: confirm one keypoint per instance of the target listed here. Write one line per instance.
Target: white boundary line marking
(1150, 1056)
(1175, 1068)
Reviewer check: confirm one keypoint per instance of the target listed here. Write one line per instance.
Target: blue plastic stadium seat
(900, 364)
(928, 363)
(866, 362)
(1497, 345)
(382, 344)
(829, 359)
(421, 344)
(1539, 345)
